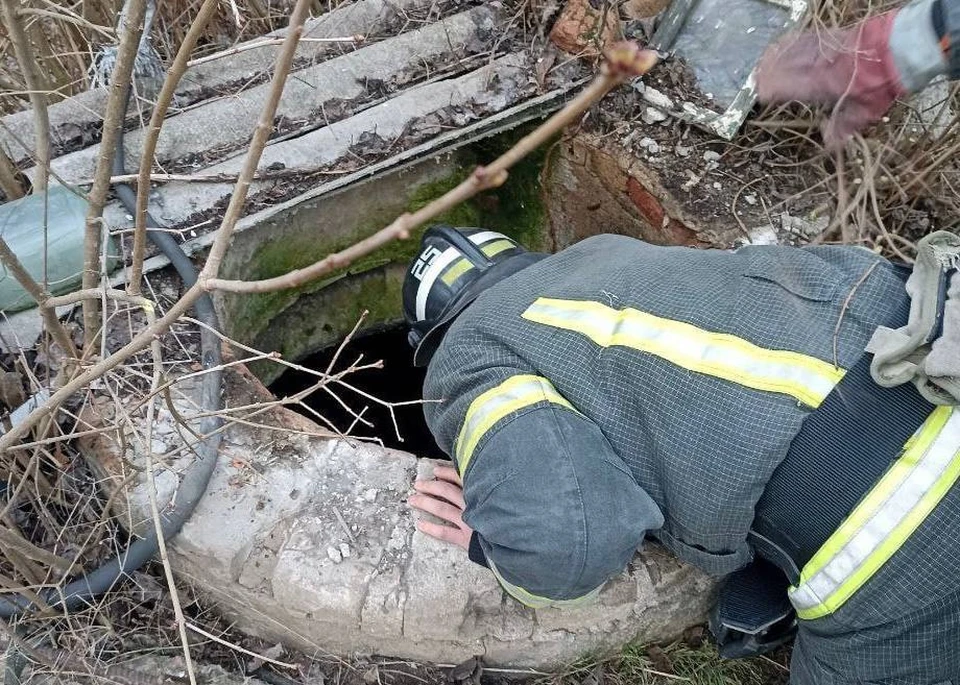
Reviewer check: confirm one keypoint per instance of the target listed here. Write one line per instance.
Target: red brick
(578, 27)
(677, 233)
(649, 206)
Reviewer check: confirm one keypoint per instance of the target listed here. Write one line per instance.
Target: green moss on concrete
(276, 257)
(516, 209)
(322, 319)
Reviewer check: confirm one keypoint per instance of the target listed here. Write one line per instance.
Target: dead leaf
(11, 389)
(468, 671)
(694, 637)
(274, 653)
(544, 65)
(580, 28)
(660, 660)
(643, 9)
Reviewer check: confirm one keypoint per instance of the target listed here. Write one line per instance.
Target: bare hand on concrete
(442, 498)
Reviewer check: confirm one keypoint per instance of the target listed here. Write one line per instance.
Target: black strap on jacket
(842, 450)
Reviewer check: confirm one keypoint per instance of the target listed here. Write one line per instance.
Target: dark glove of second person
(861, 70)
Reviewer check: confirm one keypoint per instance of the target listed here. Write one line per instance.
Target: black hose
(195, 478)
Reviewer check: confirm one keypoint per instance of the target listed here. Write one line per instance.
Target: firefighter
(782, 417)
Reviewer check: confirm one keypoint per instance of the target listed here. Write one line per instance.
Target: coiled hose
(195, 478)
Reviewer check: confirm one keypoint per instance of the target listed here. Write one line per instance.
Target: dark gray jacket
(618, 388)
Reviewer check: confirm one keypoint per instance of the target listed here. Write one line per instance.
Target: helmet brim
(431, 340)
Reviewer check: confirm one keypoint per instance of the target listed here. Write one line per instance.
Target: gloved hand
(852, 69)
(860, 70)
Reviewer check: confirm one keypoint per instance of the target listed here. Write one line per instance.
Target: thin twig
(158, 525)
(624, 60)
(733, 205)
(30, 551)
(96, 294)
(843, 311)
(230, 52)
(238, 648)
(58, 16)
(224, 178)
(174, 74)
(346, 341)
(842, 196)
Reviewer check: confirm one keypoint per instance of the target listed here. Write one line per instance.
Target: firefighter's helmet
(453, 267)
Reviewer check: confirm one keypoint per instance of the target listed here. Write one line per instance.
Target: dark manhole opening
(398, 381)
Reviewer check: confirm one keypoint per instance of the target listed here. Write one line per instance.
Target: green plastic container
(21, 224)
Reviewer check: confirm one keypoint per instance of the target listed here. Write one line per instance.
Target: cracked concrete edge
(347, 572)
(73, 115)
(225, 123)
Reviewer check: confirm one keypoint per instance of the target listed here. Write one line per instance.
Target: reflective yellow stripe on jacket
(463, 265)
(490, 407)
(535, 601)
(722, 355)
(883, 521)
(497, 403)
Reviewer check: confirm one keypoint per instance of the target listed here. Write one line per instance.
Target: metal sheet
(721, 41)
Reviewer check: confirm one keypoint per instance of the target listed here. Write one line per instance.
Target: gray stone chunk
(652, 115)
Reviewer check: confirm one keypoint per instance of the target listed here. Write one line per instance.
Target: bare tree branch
(174, 74)
(35, 86)
(120, 81)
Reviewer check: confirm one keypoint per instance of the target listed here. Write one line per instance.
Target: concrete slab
(75, 121)
(222, 127)
(178, 204)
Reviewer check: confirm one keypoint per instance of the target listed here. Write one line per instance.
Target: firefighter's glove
(860, 71)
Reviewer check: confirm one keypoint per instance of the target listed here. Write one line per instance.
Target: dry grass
(693, 662)
(893, 184)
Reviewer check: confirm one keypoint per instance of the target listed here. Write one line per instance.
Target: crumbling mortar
(404, 570)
